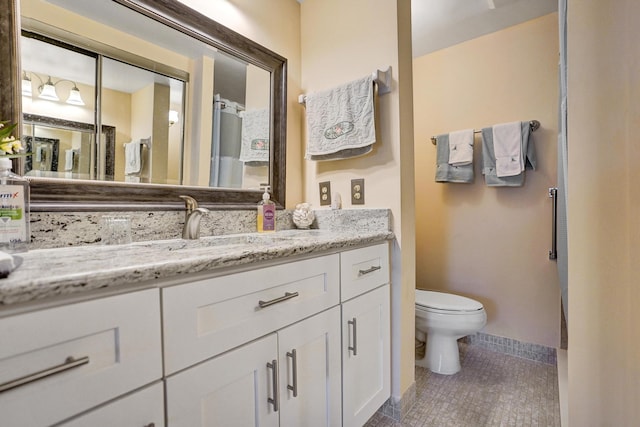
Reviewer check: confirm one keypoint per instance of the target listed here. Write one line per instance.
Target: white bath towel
(507, 146)
(38, 153)
(132, 160)
(341, 121)
(461, 147)
(68, 160)
(255, 137)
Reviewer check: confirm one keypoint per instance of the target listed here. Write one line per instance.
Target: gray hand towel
(489, 159)
(341, 121)
(446, 172)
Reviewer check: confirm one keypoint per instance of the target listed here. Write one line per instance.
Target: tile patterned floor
(492, 389)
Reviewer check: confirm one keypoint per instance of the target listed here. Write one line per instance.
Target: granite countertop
(48, 273)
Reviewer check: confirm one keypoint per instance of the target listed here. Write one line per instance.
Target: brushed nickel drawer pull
(354, 347)
(286, 296)
(69, 363)
(294, 368)
(369, 270)
(274, 365)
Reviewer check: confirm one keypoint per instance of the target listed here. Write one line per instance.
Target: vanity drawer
(205, 318)
(144, 408)
(115, 342)
(363, 269)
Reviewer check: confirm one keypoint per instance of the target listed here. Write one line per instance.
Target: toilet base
(441, 356)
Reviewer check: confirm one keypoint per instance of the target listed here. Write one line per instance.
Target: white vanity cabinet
(58, 362)
(366, 357)
(278, 329)
(287, 378)
(301, 343)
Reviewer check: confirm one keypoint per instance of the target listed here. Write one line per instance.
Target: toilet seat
(441, 301)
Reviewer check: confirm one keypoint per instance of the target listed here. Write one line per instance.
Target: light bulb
(74, 97)
(48, 91)
(26, 85)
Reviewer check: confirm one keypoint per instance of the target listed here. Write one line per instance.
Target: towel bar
(534, 124)
(381, 78)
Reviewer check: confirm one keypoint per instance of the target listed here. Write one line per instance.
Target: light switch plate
(357, 191)
(325, 193)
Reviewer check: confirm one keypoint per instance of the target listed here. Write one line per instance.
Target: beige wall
(275, 24)
(604, 212)
(490, 243)
(337, 48)
(117, 112)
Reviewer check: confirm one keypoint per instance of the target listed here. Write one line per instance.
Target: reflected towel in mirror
(68, 160)
(254, 150)
(132, 160)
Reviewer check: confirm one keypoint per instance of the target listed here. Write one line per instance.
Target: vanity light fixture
(74, 96)
(47, 90)
(26, 85)
(173, 117)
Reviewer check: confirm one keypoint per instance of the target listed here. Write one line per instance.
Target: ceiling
(437, 24)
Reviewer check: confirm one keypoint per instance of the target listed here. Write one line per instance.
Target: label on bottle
(269, 217)
(260, 219)
(13, 227)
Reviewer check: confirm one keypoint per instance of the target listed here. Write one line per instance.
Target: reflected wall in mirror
(204, 58)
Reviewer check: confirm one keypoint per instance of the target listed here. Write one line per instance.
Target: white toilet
(445, 318)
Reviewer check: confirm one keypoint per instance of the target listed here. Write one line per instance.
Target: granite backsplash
(62, 229)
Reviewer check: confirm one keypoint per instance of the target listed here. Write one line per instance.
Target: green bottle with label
(14, 209)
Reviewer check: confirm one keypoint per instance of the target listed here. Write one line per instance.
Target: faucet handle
(190, 203)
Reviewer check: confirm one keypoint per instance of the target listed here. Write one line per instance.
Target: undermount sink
(248, 239)
(228, 240)
(243, 239)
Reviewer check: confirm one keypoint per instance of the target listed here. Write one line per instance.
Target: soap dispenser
(266, 213)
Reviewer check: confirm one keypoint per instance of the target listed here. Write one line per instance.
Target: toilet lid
(445, 301)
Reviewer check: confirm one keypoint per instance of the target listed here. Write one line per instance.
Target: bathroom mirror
(61, 193)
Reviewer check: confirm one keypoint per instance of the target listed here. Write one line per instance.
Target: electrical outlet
(325, 193)
(357, 191)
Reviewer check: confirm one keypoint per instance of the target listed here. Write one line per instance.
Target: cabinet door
(309, 354)
(143, 408)
(230, 390)
(365, 355)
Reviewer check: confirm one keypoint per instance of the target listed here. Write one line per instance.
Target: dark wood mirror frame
(77, 195)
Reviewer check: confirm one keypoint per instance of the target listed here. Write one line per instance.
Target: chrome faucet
(192, 216)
